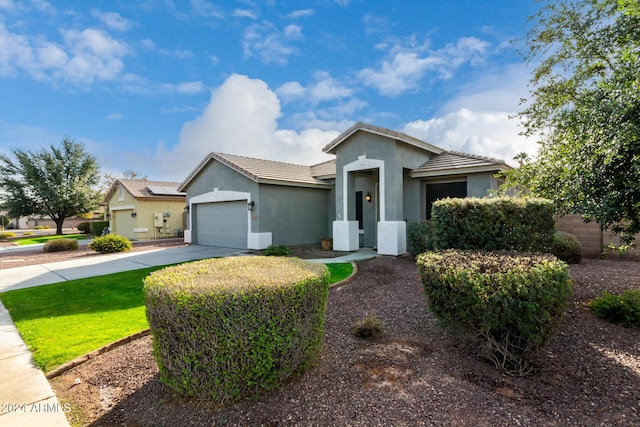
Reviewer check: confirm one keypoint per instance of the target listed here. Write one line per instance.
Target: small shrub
(228, 328)
(7, 235)
(624, 308)
(84, 227)
(369, 327)
(98, 226)
(110, 243)
(419, 238)
(273, 250)
(512, 301)
(565, 247)
(28, 233)
(59, 245)
(42, 227)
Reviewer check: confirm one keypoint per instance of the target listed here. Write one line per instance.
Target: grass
(31, 240)
(62, 321)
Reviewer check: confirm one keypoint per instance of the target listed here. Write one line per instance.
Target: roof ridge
(263, 160)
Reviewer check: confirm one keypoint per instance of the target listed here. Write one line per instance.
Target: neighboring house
(379, 181)
(141, 209)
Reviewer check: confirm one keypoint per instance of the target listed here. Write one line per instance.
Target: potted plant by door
(327, 243)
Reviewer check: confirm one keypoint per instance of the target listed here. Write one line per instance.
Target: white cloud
(187, 88)
(270, 44)
(112, 20)
(325, 88)
(85, 56)
(206, 9)
(7, 4)
(114, 116)
(478, 121)
(244, 13)
(241, 118)
(300, 13)
(409, 63)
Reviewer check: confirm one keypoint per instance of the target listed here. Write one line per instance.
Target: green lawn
(30, 240)
(62, 321)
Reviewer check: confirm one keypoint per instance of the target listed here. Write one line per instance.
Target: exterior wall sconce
(134, 214)
(368, 197)
(251, 205)
(186, 209)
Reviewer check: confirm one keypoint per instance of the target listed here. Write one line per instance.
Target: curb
(80, 360)
(348, 279)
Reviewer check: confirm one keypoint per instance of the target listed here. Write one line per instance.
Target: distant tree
(58, 183)
(585, 111)
(108, 179)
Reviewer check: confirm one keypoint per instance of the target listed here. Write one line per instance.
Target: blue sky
(154, 85)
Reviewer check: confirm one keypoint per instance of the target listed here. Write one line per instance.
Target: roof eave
(459, 171)
(295, 183)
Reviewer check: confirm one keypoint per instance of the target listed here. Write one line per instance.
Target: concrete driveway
(35, 275)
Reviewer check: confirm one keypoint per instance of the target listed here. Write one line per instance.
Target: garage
(222, 224)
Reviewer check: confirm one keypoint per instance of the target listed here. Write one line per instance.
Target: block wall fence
(593, 239)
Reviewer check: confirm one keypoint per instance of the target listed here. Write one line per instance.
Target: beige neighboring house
(141, 209)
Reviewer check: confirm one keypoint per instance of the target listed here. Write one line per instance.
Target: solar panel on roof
(161, 190)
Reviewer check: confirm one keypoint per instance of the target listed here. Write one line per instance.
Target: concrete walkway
(26, 398)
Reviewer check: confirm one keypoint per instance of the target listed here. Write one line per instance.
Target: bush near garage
(111, 243)
(228, 328)
(98, 226)
(503, 223)
(512, 301)
(60, 245)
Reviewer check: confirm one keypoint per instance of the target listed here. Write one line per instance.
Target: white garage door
(222, 224)
(124, 223)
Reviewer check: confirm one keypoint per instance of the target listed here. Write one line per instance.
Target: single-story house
(141, 209)
(379, 181)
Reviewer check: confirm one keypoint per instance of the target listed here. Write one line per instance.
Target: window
(120, 193)
(442, 191)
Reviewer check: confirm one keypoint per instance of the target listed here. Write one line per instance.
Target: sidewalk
(26, 398)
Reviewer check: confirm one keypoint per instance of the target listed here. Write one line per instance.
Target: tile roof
(454, 162)
(139, 188)
(269, 171)
(399, 136)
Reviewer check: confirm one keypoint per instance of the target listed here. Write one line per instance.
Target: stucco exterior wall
(478, 185)
(294, 215)
(144, 226)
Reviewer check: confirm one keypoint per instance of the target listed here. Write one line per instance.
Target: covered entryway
(442, 191)
(222, 224)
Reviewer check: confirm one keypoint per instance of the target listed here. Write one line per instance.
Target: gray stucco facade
(379, 182)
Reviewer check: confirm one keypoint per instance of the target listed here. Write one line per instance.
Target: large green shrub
(111, 243)
(59, 245)
(565, 247)
(228, 328)
(84, 227)
(419, 237)
(504, 223)
(98, 226)
(512, 301)
(624, 308)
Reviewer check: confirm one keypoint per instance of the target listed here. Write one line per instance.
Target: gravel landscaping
(415, 374)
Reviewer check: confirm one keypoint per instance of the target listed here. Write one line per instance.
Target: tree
(58, 183)
(585, 110)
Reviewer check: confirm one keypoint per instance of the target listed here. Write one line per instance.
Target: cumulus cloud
(478, 121)
(408, 63)
(112, 20)
(270, 44)
(84, 57)
(324, 88)
(242, 118)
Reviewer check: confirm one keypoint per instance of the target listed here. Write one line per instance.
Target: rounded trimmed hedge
(60, 245)
(228, 328)
(110, 243)
(512, 301)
